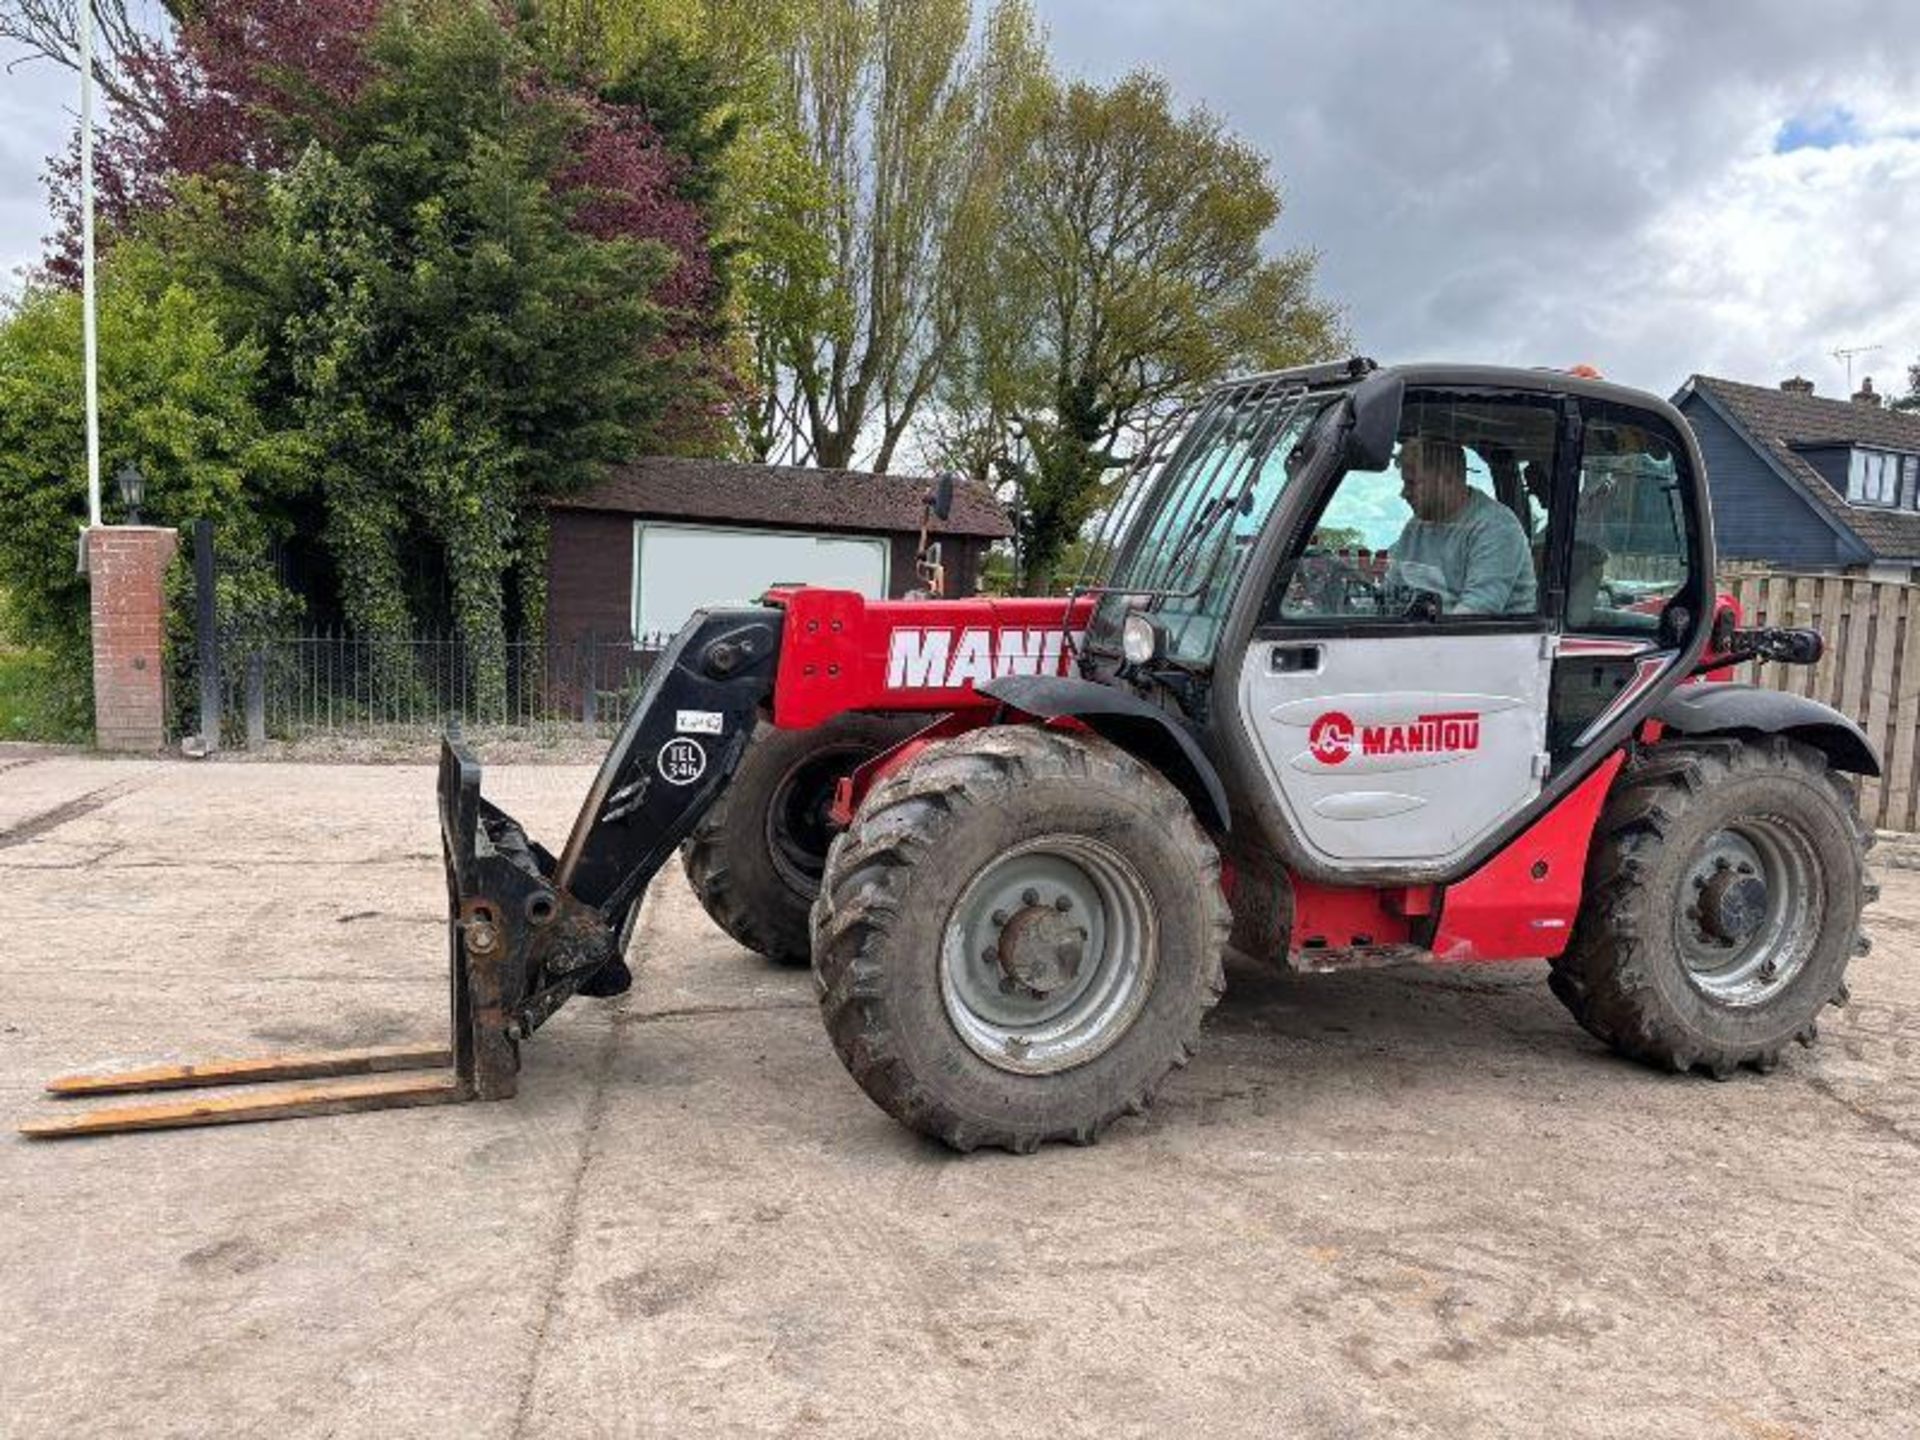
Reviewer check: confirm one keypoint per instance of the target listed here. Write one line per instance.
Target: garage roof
(784, 495)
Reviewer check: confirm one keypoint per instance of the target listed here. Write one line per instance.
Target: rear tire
(1018, 938)
(1723, 898)
(755, 857)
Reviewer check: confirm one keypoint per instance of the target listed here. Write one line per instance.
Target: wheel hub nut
(1732, 905)
(1040, 949)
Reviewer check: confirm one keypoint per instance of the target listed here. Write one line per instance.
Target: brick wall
(127, 566)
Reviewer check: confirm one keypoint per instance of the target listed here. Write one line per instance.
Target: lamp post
(133, 489)
(91, 341)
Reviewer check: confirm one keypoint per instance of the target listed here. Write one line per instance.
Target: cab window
(1630, 553)
(1455, 526)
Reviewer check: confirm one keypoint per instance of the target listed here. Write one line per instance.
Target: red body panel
(1337, 916)
(840, 651)
(1521, 904)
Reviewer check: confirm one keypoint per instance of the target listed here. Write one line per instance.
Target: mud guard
(1706, 709)
(1141, 729)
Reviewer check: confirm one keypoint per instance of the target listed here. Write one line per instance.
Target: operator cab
(1410, 606)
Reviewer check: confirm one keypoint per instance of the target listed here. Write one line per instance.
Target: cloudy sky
(1655, 187)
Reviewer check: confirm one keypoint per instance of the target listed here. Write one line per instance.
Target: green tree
(448, 341)
(863, 147)
(1910, 400)
(908, 123)
(1129, 272)
(177, 398)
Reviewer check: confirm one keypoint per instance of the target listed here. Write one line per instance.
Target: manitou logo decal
(945, 659)
(1334, 737)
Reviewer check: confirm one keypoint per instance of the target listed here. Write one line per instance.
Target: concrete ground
(1403, 1202)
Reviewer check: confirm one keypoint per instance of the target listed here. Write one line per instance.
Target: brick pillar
(127, 567)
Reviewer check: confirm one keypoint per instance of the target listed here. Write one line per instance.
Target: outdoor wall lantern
(133, 489)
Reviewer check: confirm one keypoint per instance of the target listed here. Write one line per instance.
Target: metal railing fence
(334, 683)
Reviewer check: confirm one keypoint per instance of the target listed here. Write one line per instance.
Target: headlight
(1140, 640)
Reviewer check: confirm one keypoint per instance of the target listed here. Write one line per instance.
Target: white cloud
(39, 103)
(1785, 258)
(1544, 181)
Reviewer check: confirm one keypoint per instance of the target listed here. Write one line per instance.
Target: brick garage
(687, 513)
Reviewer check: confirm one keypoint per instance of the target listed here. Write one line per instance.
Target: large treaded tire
(1624, 975)
(895, 878)
(761, 899)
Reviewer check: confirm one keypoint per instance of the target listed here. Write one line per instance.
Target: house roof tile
(1781, 420)
(788, 495)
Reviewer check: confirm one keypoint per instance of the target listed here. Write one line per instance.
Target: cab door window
(1630, 525)
(1455, 526)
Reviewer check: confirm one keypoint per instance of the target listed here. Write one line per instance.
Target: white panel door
(1399, 748)
(677, 569)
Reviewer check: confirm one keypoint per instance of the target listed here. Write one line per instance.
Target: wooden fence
(1870, 671)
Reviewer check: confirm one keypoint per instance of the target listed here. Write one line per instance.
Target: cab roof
(1344, 374)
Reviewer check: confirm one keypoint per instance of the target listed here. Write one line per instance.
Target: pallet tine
(203, 1074)
(481, 1063)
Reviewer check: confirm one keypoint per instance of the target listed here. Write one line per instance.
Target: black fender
(1705, 709)
(1144, 731)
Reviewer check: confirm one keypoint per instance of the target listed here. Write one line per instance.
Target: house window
(1910, 482)
(1873, 478)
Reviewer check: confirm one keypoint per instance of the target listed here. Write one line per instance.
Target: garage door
(679, 568)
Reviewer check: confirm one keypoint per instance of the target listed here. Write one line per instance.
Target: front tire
(1018, 938)
(1723, 900)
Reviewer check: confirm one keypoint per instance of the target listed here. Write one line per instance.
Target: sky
(1653, 187)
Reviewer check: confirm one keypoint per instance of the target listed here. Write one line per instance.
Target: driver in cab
(1462, 546)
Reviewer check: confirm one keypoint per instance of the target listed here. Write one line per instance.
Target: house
(655, 540)
(1803, 482)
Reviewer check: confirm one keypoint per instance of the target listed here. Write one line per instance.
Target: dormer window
(1881, 477)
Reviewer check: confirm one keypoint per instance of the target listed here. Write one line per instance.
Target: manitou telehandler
(1418, 664)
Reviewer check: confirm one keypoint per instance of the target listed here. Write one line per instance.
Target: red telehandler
(1414, 664)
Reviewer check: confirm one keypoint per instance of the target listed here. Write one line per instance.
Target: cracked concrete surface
(1408, 1202)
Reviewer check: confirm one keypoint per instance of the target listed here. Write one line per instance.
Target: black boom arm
(528, 930)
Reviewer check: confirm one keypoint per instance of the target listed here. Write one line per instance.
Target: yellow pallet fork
(526, 930)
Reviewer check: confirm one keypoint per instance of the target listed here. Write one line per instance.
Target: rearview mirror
(1376, 422)
(940, 497)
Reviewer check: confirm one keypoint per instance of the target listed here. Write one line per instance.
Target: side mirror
(940, 497)
(1376, 422)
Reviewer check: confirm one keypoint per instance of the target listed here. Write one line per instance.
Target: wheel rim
(799, 827)
(1749, 912)
(1048, 955)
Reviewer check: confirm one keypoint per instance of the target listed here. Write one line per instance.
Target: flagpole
(86, 262)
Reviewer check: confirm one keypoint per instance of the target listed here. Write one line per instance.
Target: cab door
(1399, 680)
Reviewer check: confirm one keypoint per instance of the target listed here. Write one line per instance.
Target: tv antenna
(1845, 356)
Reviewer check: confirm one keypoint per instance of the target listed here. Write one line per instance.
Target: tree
(177, 398)
(906, 125)
(1910, 400)
(1128, 272)
(463, 328)
(235, 88)
(864, 145)
(50, 30)
(472, 279)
